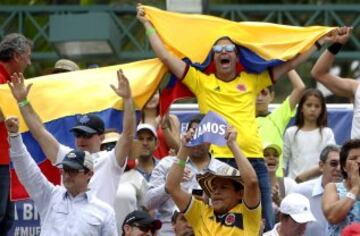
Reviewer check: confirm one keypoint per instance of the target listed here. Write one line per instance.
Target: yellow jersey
(235, 101)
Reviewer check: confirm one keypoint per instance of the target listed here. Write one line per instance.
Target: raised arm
(251, 186)
(170, 125)
(321, 70)
(291, 64)
(123, 146)
(48, 143)
(336, 209)
(298, 88)
(36, 184)
(176, 173)
(174, 64)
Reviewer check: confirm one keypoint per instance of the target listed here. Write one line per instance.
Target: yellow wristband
(150, 31)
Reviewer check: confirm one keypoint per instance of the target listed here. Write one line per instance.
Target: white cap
(298, 207)
(146, 126)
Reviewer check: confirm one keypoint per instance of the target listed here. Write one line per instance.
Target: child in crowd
(304, 141)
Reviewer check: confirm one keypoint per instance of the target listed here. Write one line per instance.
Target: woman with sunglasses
(231, 92)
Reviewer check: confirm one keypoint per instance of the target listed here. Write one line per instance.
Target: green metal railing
(33, 21)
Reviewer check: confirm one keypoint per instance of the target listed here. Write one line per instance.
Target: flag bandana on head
(211, 129)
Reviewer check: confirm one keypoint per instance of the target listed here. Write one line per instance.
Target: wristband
(150, 31)
(335, 48)
(351, 196)
(318, 45)
(181, 163)
(13, 135)
(23, 103)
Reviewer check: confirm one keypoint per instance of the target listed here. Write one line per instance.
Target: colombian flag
(60, 98)
(261, 45)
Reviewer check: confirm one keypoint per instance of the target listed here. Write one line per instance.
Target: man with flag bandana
(231, 92)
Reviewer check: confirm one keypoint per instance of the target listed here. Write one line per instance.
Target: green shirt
(272, 127)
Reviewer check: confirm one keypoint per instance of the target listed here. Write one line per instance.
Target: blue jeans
(265, 188)
(6, 206)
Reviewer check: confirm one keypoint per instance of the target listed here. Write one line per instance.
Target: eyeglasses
(70, 171)
(334, 163)
(83, 135)
(227, 47)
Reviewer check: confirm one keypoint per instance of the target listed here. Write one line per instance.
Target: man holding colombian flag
(231, 76)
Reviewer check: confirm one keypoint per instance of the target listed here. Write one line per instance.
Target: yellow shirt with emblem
(235, 101)
(203, 221)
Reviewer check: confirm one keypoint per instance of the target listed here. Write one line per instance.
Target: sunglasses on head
(82, 135)
(226, 47)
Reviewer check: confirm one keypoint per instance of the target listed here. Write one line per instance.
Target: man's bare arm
(123, 146)
(48, 143)
(174, 64)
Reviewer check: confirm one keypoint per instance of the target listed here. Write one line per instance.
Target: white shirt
(302, 152)
(314, 191)
(61, 214)
(273, 232)
(157, 198)
(107, 172)
(355, 127)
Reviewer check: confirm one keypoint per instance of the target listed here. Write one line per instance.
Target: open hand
(12, 124)
(123, 89)
(18, 88)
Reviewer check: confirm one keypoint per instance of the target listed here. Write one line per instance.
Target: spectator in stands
(64, 65)
(180, 225)
(134, 183)
(344, 87)
(295, 214)
(167, 127)
(111, 137)
(199, 161)
(140, 223)
(304, 141)
(272, 125)
(341, 204)
(72, 209)
(216, 92)
(15, 56)
(329, 165)
(281, 186)
(88, 137)
(235, 200)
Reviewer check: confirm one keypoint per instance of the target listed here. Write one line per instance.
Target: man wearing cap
(295, 213)
(235, 200)
(140, 223)
(134, 183)
(329, 165)
(64, 65)
(71, 209)
(15, 56)
(89, 133)
(199, 161)
(180, 225)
